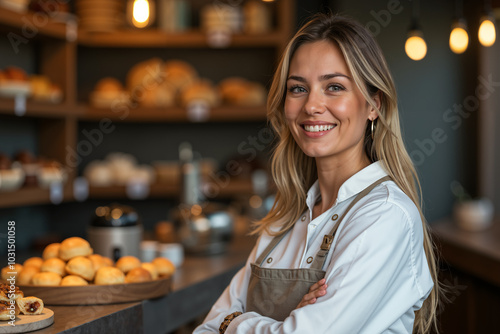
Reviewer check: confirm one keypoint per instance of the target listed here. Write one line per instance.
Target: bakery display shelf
(154, 38)
(174, 114)
(29, 25)
(167, 190)
(29, 196)
(38, 109)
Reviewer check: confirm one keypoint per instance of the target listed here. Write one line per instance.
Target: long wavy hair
(294, 172)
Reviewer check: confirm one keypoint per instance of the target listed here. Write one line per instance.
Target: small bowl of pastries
(11, 174)
(14, 82)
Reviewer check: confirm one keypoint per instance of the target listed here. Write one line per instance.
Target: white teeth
(318, 128)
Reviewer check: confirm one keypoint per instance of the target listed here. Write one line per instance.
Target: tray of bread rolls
(69, 273)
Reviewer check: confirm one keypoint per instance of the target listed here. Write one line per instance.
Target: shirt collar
(354, 185)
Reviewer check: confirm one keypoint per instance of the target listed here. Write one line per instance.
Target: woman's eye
(335, 88)
(296, 89)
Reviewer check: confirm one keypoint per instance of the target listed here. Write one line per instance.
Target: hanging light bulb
(140, 13)
(415, 46)
(459, 37)
(487, 32)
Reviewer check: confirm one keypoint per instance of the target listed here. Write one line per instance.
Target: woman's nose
(315, 103)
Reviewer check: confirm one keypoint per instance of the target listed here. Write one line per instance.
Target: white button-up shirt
(376, 270)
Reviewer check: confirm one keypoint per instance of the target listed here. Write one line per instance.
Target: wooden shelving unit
(30, 196)
(45, 26)
(39, 109)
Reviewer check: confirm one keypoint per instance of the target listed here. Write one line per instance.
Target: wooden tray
(28, 323)
(99, 294)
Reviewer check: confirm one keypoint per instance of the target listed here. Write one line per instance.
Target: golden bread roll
(40, 86)
(164, 266)
(46, 279)
(238, 91)
(109, 85)
(6, 294)
(201, 90)
(99, 261)
(5, 308)
(73, 247)
(3, 77)
(15, 74)
(151, 268)
(73, 280)
(30, 305)
(81, 266)
(156, 95)
(109, 275)
(51, 251)
(11, 271)
(138, 275)
(33, 262)
(26, 274)
(54, 265)
(145, 74)
(127, 263)
(179, 73)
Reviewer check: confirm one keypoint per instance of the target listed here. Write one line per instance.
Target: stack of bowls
(100, 15)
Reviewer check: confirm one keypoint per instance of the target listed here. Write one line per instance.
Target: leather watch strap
(227, 321)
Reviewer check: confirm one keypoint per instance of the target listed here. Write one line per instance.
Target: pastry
(25, 276)
(108, 92)
(30, 305)
(46, 279)
(99, 261)
(238, 91)
(160, 94)
(51, 251)
(54, 265)
(151, 268)
(179, 73)
(109, 275)
(6, 294)
(143, 75)
(81, 266)
(15, 74)
(33, 262)
(5, 308)
(11, 271)
(73, 247)
(164, 266)
(138, 275)
(127, 263)
(200, 91)
(73, 280)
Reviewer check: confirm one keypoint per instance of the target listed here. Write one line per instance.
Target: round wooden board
(99, 294)
(28, 323)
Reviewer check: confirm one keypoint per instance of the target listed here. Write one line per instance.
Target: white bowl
(11, 179)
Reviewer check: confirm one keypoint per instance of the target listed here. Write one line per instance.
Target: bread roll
(51, 251)
(6, 294)
(33, 262)
(151, 268)
(238, 91)
(46, 279)
(109, 275)
(54, 265)
(30, 305)
(73, 247)
(109, 85)
(145, 74)
(81, 266)
(164, 266)
(99, 261)
(26, 275)
(14, 73)
(9, 272)
(73, 280)
(179, 73)
(138, 275)
(5, 310)
(199, 91)
(127, 263)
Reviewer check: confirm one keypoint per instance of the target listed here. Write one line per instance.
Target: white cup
(148, 250)
(173, 252)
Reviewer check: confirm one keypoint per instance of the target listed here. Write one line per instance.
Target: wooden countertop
(196, 286)
(475, 252)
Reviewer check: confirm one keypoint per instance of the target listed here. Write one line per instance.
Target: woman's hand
(316, 290)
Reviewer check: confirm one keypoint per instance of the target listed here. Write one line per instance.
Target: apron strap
(320, 258)
(270, 248)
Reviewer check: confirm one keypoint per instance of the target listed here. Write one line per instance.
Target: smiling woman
(345, 247)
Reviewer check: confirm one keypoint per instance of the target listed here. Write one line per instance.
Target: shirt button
(335, 217)
(269, 260)
(303, 218)
(309, 259)
(313, 226)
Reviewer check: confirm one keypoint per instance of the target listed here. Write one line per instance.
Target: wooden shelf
(174, 114)
(159, 39)
(28, 20)
(29, 196)
(39, 109)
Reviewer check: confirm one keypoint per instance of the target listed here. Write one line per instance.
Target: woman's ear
(373, 113)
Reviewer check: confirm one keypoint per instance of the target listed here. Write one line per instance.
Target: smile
(318, 128)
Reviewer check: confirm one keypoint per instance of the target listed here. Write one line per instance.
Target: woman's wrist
(227, 321)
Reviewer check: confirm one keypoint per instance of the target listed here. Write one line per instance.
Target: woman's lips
(317, 130)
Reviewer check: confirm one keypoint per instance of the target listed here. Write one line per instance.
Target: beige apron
(275, 293)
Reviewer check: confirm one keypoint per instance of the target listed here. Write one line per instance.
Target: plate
(13, 88)
(28, 323)
(99, 294)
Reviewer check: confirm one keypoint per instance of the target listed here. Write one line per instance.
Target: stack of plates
(100, 15)
(15, 5)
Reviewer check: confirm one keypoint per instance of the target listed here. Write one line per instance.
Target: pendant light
(140, 13)
(415, 46)
(459, 37)
(487, 29)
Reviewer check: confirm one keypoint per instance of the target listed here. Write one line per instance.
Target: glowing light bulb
(459, 38)
(415, 46)
(140, 13)
(487, 34)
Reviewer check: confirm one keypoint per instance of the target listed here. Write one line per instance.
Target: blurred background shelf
(30, 196)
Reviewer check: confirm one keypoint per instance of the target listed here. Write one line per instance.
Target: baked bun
(6, 294)
(46, 279)
(127, 263)
(199, 91)
(51, 251)
(99, 261)
(151, 268)
(138, 275)
(81, 266)
(25, 276)
(15, 74)
(11, 271)
(109, 85)
(109, 275)
(33, 262)
(30, 305)
(161, 94)
(54, 265)
(108, 92)
(241, 92)
(145, 74)
(164, 266)
(5, 311)
(73, 247)
(179, 73)
(73, 280)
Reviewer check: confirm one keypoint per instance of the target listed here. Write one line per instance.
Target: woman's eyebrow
(321, 78)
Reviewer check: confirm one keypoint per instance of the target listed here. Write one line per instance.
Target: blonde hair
(294, 172)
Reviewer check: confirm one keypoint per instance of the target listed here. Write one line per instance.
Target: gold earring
(373, 128)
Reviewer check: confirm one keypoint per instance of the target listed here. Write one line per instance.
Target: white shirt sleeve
(377, 278)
